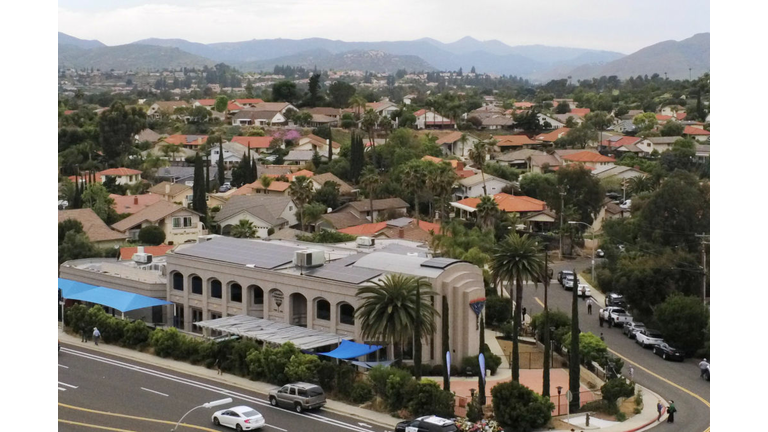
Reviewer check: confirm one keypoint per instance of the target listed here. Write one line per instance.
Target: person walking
(671, 410)
(704, 368)
(218, 367)
(83, 333)
(659, 408)
(96, 335)
(589, 307)
(631, 373)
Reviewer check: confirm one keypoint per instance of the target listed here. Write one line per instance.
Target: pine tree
(254, 169)
(198, 188)
(356, 157)
(446, 346)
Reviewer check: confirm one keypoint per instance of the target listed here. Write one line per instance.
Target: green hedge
(519, 407)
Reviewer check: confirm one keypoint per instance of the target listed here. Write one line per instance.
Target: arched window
(323, 310)
(197, 285)
(258, 295)
(346, 314)
(236, 292)
(215, 288)
(178, 281)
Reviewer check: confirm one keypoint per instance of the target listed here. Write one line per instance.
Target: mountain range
(536, 62)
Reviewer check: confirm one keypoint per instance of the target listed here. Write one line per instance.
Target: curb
(663, 411)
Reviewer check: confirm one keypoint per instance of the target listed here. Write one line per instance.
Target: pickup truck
(615, 316)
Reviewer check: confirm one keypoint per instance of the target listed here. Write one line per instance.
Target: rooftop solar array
(352, 275)
(440, 263)
(271, 331)
(259, 254)
(399, 222)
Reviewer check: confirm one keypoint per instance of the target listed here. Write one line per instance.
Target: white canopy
(271, 331)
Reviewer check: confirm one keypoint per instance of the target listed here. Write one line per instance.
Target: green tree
(69, 225)
(578, 137)
(243, 229)
(117, 127)
(562, 108)
(414, 177)
(440, 181)
(356, 156)
(584, 192)
(328, 194)
(645, 121)
(487, 211)
(152, 235)
(516, 260)
(540, 186)
(683, 320)
(300, 191)
(519, 407)
(303, 118)
(340, 92)
(599, 120)
(358, 104)
(198, 188)
(76, 246)
(96, 197)
(672, 128)
(220, 163)
(284, 91)
(369, 123)
(312, 213)
(477, 155)
(369, 181)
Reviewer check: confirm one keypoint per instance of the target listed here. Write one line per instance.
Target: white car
(584, 291)
(647, 337)
(240, 418)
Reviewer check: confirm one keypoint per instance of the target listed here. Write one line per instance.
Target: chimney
(401, 233)
(136, 200)
(167, 188)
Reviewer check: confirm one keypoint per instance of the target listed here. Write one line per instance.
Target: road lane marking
(704, 401)
(62, 389)
(157, 392)
(134, 418)
(212, 388)
(65, 367)
(94, 426)
(538, 301)
(275, 427)
(67, 385)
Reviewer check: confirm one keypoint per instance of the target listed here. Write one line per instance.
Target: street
(106, 392)
(672, 380)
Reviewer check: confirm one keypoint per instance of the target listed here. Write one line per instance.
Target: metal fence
(561, 401)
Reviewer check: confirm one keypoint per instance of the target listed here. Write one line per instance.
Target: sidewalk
(358, 413)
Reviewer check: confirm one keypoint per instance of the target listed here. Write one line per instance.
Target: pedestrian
(524, 311)
(96, 335)
(659, 407)
(671, 410)
(83, 333)
(704, 368)
(600, 317)
(602, 338)
(589, 307)
(631, 373)
(218, 367)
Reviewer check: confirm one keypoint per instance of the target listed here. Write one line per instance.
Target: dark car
(550, 273)
(613, 299)
(562, 274)
(427, 424)
(666, 352)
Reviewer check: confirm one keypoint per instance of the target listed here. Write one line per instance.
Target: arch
(226, 229)
(214, 288)
(177, 281)
(235, 292)
(298, 309)
(322, 309)
(346, 313)
(257, 294)
(196, 284)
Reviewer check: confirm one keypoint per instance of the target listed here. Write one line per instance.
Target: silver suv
(299, 396)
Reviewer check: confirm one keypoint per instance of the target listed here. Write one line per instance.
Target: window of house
(197, 285)
(236, 293)
(197, 316)
(178, 281)
(215, 287)
(178, 320)
(182, 222)
(258, 295)
(134, 234)
(347, 314)
(323, 311)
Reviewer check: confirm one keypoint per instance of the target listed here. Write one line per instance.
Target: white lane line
(65, 367)
(62, 389)
(67, 385)
(275, 427)
(156, 392)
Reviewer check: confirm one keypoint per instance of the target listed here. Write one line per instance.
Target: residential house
(658, 144)
(260, 144)
(452, 143)
(543, 163)
(126, 253)
(672, 110)
(631, 114)
(702, 152)
(401, 228)
(254, 117)
(609, 210)
(458, 166)
(519, 159)
(180, 224)
(551, 137)
(97, 231)
(497, 122)
(250, 103)
(489, 101)
(292, 175)
(430, 119)
(334, 113)
(122, 176)
(589, 159)
(183, 175)
(276, 187)
(189, 142)
(507, 203)
(696, 133)
(160, 108)
(613, 143)
(337, 221)
(623, 126)
(281, 107)
(514, 142)
(383, 108)
(85, 177)
(523, 105)
(323, 120)
(407, 99)
(133, 203)
(208, 103)
(540, 221)
(301, 157)
(473, 186)
(618, 171)
(265, 212)
(230, 158)
(178, 193)
(314, 143)
(553, 122)
(147, 135)
(579, 112)
(318, 180)
(362, 209)
(563, 118)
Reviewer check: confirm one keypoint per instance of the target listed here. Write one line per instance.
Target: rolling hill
(65, 39)
(374, 61)
(128, 57)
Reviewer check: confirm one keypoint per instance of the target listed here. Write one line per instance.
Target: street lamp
(205, 405)
(593, 246)
(559, 390)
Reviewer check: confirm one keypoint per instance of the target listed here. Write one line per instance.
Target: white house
(425, 119)
(230, 157)
(165, 107)
(556, 124)
(452, 144)
(313, 143)
(253, 117)
(122, 176)
(473, 186)
(180, 224)
(265, 212)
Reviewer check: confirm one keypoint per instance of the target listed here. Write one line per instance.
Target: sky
(624, 26)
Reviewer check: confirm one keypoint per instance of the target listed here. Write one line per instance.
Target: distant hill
(374, 61)
(65, 39)
(128, 57)
(672, 57)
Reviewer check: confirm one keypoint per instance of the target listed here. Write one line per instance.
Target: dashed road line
(67, 385)
(153, 391)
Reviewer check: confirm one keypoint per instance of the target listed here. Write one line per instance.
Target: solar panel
(400, 222)
(240, 251)
(440, 263)
(352, 275)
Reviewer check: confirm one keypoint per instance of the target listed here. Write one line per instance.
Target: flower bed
(465, 425)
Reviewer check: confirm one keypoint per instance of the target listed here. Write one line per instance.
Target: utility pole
(704, 242)
(562, 208)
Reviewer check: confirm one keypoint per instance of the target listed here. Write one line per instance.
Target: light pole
(593, 247)
(205, 405)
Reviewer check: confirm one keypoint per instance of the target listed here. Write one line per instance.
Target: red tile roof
(554, 135)
(662, 117)
(420, 112)
(588, 156)
(465, 173)
(523, 104)
(513, 140)
(126, 253)
(85, 176)
(625, 140)
(291, 176)
(68, 112)
(320, 140)
(119, 172)
(133, 203)
(253, 142)
(186, 139)
(690, 130)
(680, 116)
(581, 112)
(207, 102)
(364, 229)
(233, 106)
(510, 203)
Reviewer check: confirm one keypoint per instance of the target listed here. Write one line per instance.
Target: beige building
(226, 276)
(180, 224)
(173, 192)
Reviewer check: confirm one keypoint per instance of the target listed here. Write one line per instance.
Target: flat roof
(266, 255)
(271, 331)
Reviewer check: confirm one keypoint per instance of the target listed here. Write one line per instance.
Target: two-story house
(473, 186)
(265, 212)
(180, 224)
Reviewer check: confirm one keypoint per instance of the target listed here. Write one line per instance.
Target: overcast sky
(623, 26)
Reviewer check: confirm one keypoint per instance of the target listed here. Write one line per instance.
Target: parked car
(647, 337)
(615, 316)
(666, 352)
(427, 424)
(562, 274)
(631, 328)
(299, 396)
(239, 418)
(569, 281)
(613, 299)
(599, 253)
(584, 291)
(225, 187)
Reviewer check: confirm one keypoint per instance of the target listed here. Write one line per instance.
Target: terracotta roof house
(581, 112)
(133, 203)
(458, 166)
(261, 143)
(505, 142)
(265, 212)
(523, 105)
(589, 159)
(126, 253)
(551, 137)
(165, 107)
(205, 102)
(696, 133)
(249, 102)
(507, 203)
(188, 141)
(401, 228)
(122, 176)
(497, 122)
(619, 140)
(451, 143)
(85, 176)
(313, 143)
(97, 231)
(180, 224)
(362, 209)
(275, 188)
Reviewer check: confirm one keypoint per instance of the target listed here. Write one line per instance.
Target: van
(299, 396)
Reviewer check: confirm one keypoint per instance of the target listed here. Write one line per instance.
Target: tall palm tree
(300, 191)
(396, 309)
(487, 211)
(370, 121)
(243, 229)
(358, 104)
(440, 182)
(477, 155)
(640, 184)
(414, 178)
(385, 124)
(369, 180)
(463, 140)
(516, 260)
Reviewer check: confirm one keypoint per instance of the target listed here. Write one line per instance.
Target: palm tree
(397, 308)
(640, 184)
(266, 181)
(358, 104)
(369, 180)
(301, 193)
(440, 182)
(516, 260)
(477, 155)
(151, 164)
(487, 211)
(463, 140)
(370, 120)
(243, 229)
(385, 124)
(414, 177)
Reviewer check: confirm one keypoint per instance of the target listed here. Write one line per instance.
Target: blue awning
(116, 299)
(348, 350)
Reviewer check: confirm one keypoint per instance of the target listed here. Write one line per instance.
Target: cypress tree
(221, 163)
(254, 169)
(446, 346)
(417, 335)
(330, 144)
(481, 377)
(198, 188)
(573, 367)
(356, 156)
(207, 171)
(248, 172)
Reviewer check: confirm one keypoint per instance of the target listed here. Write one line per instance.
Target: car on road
(613, 299)
(427, 424)
(647, 337)
(615, 316)
(300, 396)
(631, 328)
(584, 291)
(562, 274)
(599, 253)
(240, 418)
(667, 352)
(569, 281)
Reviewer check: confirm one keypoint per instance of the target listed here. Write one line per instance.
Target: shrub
(136, 334)
(239, 353)
(620, 416)
(399, 388)
(557, 319)
(269, 364)
(474, 410)
(498, 310)
(471, 363)
(508, 329)
(518, 406)
(426, 398)
(302, 367)
(326, 375)
(604, 280)
(379, 376)
(152, 235)
(639, 398)
(362, 392)
(437, 370)
(165, 341)
(345, 380)
(616, 388)
(600, 406)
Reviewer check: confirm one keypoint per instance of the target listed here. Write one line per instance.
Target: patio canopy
(116, 299)
(271, 331)
(370, 365)
(350, 350)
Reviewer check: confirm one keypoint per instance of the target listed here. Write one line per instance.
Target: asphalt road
(672, 380)
(102, 392)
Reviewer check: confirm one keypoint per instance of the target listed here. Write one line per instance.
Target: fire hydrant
(587, 419)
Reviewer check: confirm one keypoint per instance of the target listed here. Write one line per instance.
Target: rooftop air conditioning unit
(142, 258)
(366, 241)
(308, 258)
